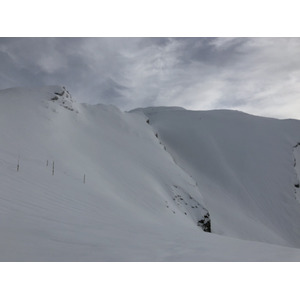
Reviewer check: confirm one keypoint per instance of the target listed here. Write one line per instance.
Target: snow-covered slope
(244, 167)
(85, 182)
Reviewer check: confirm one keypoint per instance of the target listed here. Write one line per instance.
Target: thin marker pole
(18, 165)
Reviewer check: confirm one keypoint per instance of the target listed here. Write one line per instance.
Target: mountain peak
(55, 93)
(62, 96)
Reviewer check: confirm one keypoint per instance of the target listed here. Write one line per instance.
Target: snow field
(132, 206)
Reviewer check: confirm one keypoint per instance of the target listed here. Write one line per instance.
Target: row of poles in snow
(52, 166)
(47, 164)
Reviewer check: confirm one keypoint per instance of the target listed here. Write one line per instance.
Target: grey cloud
(256, 75)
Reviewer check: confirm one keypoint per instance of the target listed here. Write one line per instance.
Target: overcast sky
(254, 75)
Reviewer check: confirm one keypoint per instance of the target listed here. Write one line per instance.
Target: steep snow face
(128, 189)
(92, 183)
(244, 167)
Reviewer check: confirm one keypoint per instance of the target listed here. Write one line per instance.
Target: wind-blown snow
(139, 201)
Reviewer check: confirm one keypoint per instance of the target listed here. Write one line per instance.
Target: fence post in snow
(18, 165)
(47, 163)
(53, 168)
(84, 178)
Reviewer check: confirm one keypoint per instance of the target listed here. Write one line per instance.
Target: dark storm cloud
(257, 75)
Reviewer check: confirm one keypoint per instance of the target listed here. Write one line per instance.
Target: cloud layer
(255, 75)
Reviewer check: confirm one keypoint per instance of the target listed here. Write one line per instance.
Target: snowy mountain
(83, 182)
(244, 166)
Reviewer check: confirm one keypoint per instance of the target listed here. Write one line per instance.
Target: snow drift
(83, 182)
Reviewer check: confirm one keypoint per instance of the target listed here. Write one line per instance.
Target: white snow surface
(143, 194)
